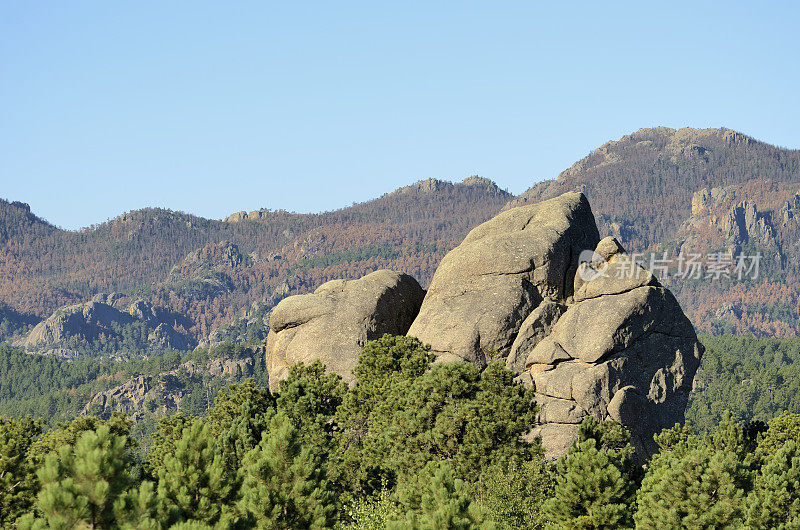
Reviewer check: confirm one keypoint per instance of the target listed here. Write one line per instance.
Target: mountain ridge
(643, 188)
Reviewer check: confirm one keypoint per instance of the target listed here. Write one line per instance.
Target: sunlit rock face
(333, 323)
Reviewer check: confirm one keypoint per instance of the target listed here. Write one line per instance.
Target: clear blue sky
(215, 107)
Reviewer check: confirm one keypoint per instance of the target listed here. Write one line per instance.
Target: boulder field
(535, 287)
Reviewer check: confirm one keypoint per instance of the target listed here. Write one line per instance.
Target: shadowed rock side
(486, 290)
(622, 350)
(333, 323)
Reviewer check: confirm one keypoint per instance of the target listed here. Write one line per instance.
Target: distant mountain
(657, 190)
(701, 191)
(217, 271)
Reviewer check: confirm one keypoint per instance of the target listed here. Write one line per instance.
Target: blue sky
(216, 107)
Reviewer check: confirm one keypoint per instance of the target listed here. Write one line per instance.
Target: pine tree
(284, 486)
(436, 500)
(697, 482)
(774, 501)
(242, 435)
(168, 432)
(18, 483)
(69, 433)
(400, 419)
(80, 485)
(512, 493)
(310, 398)
(780, 429)
(193, 484)
(386, 368)
(230, 400)
(594, 488)
(138, 508)
(239, 417)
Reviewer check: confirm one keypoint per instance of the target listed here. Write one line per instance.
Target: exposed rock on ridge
(575, 316)
(598, 338)
(99, 318)
(164, 393)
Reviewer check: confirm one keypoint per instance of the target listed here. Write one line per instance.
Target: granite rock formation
(535, 287)
(333, 323)
(485, 289)
(575, 316)
(98, 318)
(622, 350)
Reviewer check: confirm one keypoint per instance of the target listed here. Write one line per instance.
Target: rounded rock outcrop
(623, 350)
(333, 323)
(485, 288)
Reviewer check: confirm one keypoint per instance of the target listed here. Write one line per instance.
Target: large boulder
(623, 350)
(484, 290)
(333, 323)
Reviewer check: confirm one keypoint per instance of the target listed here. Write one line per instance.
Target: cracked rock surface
(622, 350)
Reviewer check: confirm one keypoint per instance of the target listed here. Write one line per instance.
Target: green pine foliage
(412, 444)
(511, 494)
(373, 512)
(404, 413)
(18, 484)
(752, 378)
(697, 481)
(138, 508)
(82, 483)
(168, 432)
(238, 419)
(596, 480)
(49, 387)
(192, 483)
(436, 500)
(284, 486)
(309, 398)
(780, 430)
(774, 501)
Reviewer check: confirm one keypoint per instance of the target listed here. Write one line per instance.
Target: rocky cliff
(574, 316)
(105, 320)
(165, 393)
(622, 349)
(485, 288)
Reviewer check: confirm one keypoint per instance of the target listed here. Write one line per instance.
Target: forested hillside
(412, 445)
(211, 271)
(641, 186)
(143, 388)
(659, 190)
